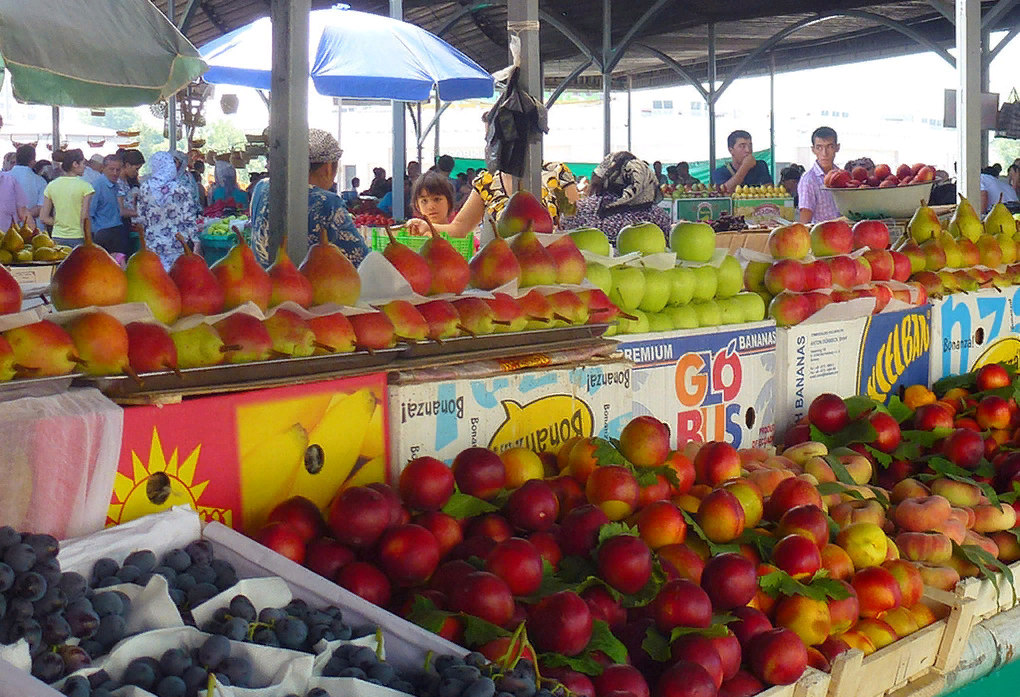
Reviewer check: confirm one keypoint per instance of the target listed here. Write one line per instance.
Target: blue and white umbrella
(354, 54)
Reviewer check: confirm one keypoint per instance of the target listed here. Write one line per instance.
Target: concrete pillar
(522, 19)
(399, 136)
(968, 97)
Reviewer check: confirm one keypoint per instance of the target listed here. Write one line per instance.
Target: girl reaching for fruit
(432, 197)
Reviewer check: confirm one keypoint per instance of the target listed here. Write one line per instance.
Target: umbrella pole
(339, 131)
(56, 128)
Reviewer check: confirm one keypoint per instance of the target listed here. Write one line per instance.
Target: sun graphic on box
(159, 484)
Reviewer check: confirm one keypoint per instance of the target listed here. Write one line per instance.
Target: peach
(644, 441)
(858, 467)
(931, 547)
(877, 591)
(818, 468)
(909, 579)
(981, 541)
(768, 479)
(614, 489)
(798, 556)
(954, 530)
(763, 601)
(865, 543)
(902, 621)
(990, 518)
(879, 631)
(777, 657)
(809, 521)
(923, 615)
(938, 576)
(816, 659)
(891, 550)
(965, 516)
(809, 619)
(750, 456)
(687, 502)
(782, 462)
(802, 452)
(1009, 547)
(715, 463)
(721, 516)
(684, 559)
(750, 498)
(857, 640)
(790, 493)
(857, 511)
(832, 647)
(844, 613)
(963, 566)
(661, 523)
(922, 514)
(683, 468)
(908, 489)
(581, 461)
(958, 493)
(836, 561)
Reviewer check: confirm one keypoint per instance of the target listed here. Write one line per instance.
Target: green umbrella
(99, 53)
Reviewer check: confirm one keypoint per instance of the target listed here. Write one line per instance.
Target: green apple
(646, 238)
(706, 279)
(658, 287)
(708, 313)
(634, 326)
(731, 310)
(683, 316)
(753, 306)
(754, 275)
(600, 276)
(613, 329)
(731, 278)
(659, 322)
(693, 241)
(628, 287)
(591, 240)
(683, 285)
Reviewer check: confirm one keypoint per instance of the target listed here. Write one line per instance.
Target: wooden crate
(32, 273)
(916, 664)
(813, 683)
(755, 239)
(986, 601)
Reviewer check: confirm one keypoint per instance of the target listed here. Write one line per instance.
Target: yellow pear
(1000, 220)
(23, 254)
(965, 221)
(1008, 246)
(954, 257)
(12, 241)
(924, 225)
(41, 239)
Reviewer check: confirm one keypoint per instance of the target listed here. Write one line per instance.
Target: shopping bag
(1007, 121)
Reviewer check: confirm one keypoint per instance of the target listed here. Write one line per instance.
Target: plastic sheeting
(58, 458)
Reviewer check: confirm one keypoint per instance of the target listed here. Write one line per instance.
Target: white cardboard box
(972, 329)
(538, 409)
(708, 384)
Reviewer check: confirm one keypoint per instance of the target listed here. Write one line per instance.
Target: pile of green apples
(699, 288)
(221, 227)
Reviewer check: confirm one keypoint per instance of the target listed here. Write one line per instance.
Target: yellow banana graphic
(367, 472)
(265, 471)
(337, 438)
(375, 437)
(259, 423)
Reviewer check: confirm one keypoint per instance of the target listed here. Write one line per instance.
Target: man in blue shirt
(108, 228)
(31, 183)
(743, 168)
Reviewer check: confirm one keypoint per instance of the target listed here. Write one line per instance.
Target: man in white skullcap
(325, 208)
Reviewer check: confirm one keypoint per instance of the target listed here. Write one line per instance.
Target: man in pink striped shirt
(816, 203)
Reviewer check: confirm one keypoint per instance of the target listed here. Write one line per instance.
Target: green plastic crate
(464, 245)
(215, 247)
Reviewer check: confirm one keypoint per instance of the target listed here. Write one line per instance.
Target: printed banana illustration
(267, 469)
(375, 438)
(261, 423)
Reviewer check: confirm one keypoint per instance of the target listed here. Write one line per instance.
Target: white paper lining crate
(986, 601)
(916, 664)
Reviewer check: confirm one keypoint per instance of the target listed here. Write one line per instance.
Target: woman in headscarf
(225, 188)
(623, 191)
(166, 207)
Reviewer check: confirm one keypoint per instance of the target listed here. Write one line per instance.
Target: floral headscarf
(163, 179)
(225, 176)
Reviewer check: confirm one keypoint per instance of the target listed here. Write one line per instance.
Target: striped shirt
(812, 195)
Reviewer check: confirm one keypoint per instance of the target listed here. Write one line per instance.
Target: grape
(195, 677)
(20, 557)
(128, 573)
(352, 673)
(297, 608)
(53, 601)
(266, 637)
(202, 573)
(111, 630)
(107, 582)
(321, 632)
(3, 605)
(518, 686)
(314, 617)
(292, 632)
(185, 582)
(166, 572)
(238, 670)
(171, 686)
(333, 666)
(225, 579)
(236, 629)
(465, 674)
(48, 667)
(75, 658)
(125, 602)
(200, 593)
(221, 565)
(98, 678)
(444, 663)
(341, 630)
(6, 577)
(364, 656)
(200, 551)
(178, 596)
(49, 569)
(93, 648)
(44, 545)
(175, 662)
(177, 559)
(143, 580)
(19, 609)
(29, 629)
(241, 606)
(76, 686)
(55, 629)
(546, 693)
(476, 659)
(213, 651)
(317, 692)
(103, 568)
(144, 560)
(383, 672)
(402, 686)
(9, 537)
(107, 604)
(140, 673)
(270, 615)
(80, 604)
(101, 692)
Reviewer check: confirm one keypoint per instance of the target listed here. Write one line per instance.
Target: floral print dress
(166, 208)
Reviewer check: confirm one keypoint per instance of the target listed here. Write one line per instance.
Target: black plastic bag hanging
(516, 120)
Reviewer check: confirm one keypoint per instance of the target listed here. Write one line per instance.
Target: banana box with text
(970, 330)
(233, 457)
(536, 409)
(875, 356)
(708, 384)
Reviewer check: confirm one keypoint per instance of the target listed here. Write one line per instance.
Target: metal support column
(288, 127)
(630, 113)
(399, 135)
(968, 97)
(171, 102)
(339, 139)
(522, 19)
(986, 86)
(607, 75)
(419, 139)
(772, 117)
(435, 150)
(711, 100)
(56, 128)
